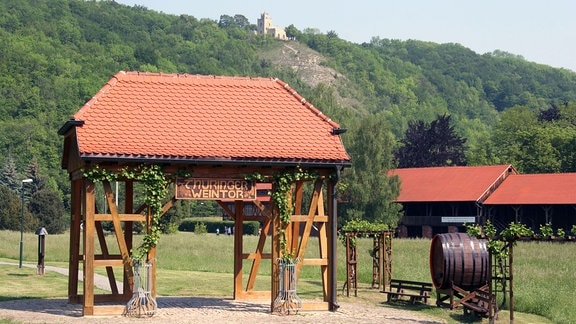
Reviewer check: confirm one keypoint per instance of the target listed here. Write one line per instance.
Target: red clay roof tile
(444, 184)
(535, 189)
(169, 116)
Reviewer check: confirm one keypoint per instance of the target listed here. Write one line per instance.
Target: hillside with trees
(56, 54)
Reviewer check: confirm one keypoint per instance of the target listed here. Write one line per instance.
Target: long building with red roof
(535, 199)
(444, 199)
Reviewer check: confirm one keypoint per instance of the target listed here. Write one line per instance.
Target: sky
(540, 31)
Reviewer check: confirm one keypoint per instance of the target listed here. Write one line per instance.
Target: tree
(537, 142)
(370, 193)
(9, 175)
(434, 144)
(11, 211)
(48, 209)
(550, 114)
(292, 32)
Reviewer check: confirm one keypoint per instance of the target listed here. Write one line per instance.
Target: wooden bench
(415, 290)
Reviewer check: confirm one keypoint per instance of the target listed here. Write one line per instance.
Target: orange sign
(215, 189)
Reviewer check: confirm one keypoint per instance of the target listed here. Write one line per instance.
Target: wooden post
(128, 235)
(276, 237)
(89, 230)
(238, 246)
(511, 276)
(75, 231)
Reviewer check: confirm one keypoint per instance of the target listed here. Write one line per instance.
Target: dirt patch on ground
(204, 310)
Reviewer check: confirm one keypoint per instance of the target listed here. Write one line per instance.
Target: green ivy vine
(282, 184)
(156, 185)
(497, 243)
(361, 227)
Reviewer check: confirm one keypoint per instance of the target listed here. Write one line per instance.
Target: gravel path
(201, 310)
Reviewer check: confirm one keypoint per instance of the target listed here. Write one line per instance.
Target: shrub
(200, 228)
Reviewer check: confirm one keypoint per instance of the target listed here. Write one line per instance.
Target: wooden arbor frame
(381, 259)
(86, 230)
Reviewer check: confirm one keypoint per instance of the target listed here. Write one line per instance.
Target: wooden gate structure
(381, 259)
(220, 128)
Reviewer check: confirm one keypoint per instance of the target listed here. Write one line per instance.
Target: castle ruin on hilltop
(265, 27)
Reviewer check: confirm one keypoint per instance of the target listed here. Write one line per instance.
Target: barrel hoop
(485, 259)
(474, 253)
(449, 259)
(462, 259)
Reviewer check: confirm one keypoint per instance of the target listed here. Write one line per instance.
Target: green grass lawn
(202, 265)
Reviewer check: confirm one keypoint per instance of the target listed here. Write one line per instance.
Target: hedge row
(248, 228)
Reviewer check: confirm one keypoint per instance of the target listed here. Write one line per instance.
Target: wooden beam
(88, 268)
(225, 208)
(123, 217)
(109, 263)
(254, 295)
(298, 193)
(128, 231)
(168, 205)
(314, 207)
(252, 256)
(315, 262)
(119, 233)
(238, 246)
(74, 251)
(105, 254)
(304, 218)
(258, 256)
(311, 306)
(75, 230)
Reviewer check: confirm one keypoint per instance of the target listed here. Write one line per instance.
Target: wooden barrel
(460, 259)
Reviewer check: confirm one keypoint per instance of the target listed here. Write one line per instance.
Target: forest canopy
(56, 54)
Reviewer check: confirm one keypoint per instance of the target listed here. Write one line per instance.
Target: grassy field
(201, 265)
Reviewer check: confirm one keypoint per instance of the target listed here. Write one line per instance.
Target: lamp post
(22, 220)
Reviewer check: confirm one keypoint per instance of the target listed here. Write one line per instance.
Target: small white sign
(459, 219)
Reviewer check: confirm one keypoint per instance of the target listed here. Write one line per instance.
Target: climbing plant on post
(281, 197)
(381, 252)
(501, 247)
(156, 187)
(143, 275)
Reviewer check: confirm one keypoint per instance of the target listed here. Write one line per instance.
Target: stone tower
(265, 27)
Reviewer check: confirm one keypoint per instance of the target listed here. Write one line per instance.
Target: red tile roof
(445, 184)
(536, 189)
(204, 118)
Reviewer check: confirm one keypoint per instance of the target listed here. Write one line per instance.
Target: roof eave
(69, 125)
(219, 161)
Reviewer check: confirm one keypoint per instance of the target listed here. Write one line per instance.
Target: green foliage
(360, 228)
(282, 183)
(546, 230)
(47, 207)
(534, 144)
(361, 225)
(200, 228)
(431, 144)
(370, 193)
(57, 54)
(11, 212)
(156, 184)
(515, 231)
(497, 244)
